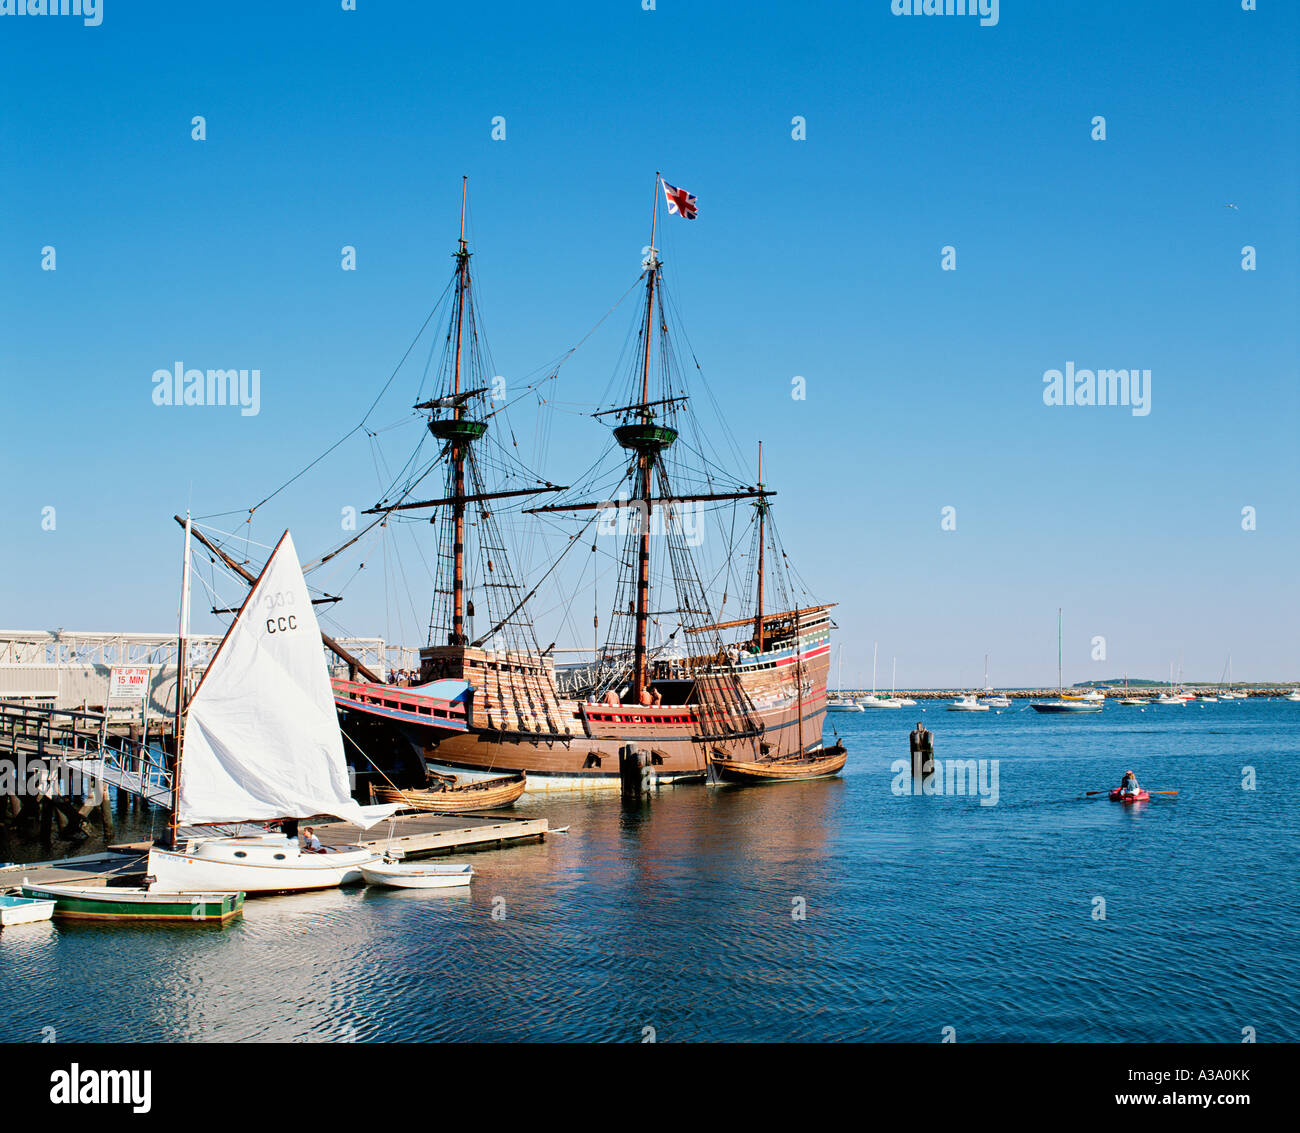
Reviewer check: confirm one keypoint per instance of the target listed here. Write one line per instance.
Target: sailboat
(1170, 696)
(1230, 692)
(876, 700)
(839, 702)
(998, 701)
(1062, 703)
(690, 687)
(259, 742)
(903, 701)
(1128, 697)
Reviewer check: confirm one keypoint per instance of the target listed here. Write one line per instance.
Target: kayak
(1120, 796)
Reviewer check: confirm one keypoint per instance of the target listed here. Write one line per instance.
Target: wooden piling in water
(630, 774)
(106, 812)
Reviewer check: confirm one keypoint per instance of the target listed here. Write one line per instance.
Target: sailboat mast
(762, 534)
(645, 465)
(1060, 672)
(798, 672)
(458, 636)
(182, 650)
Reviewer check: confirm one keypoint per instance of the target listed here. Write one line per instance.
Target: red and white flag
(680, 202)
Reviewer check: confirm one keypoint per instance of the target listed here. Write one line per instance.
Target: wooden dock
(89, 869)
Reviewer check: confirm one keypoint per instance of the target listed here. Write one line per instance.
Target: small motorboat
(24, 910)
(968, 703)
(416, 875)
(1120, 795)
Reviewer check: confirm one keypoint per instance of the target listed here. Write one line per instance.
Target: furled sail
(261, 738)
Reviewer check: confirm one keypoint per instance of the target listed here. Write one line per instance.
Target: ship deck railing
(400, 699)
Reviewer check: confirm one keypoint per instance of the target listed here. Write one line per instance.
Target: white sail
(261, 737)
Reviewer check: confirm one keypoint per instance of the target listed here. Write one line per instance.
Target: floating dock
(413, 835)
(422, 835)
(89, 869)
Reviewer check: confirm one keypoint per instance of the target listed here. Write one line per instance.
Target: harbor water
(838, 910)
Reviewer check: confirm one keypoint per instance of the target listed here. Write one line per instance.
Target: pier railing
(80, 741)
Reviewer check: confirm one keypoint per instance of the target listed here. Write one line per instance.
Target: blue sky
(818, 258)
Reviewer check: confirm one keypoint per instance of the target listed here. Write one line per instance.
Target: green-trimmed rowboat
(119, 903)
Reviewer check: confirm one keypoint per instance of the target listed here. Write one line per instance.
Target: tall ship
(697, 674)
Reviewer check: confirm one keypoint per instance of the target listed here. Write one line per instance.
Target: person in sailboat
(1129, 784)
(309, 842)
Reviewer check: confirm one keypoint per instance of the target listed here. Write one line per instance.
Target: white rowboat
(24, 910)
(414, 875)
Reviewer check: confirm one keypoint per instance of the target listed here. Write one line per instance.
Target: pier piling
(632, 775)
(921, 744)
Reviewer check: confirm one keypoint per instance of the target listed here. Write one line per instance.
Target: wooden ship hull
(820, 764)
(514, 723)
(481, 794)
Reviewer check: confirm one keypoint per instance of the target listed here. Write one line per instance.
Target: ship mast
(645, 463)
(457, 451)
(762, 516)
(465, 485)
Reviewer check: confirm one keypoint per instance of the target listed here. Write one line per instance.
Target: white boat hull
(254, 865)
(539, 781)
(24, 910)
(416, 876)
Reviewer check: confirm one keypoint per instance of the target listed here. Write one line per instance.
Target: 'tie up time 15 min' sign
(128, 683)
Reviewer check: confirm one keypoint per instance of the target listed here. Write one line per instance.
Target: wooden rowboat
(821, 764)
(486, 794)
(114, 903)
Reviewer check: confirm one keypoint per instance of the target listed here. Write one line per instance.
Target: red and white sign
(124, 683)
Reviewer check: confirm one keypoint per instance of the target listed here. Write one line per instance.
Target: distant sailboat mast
(1060, 672)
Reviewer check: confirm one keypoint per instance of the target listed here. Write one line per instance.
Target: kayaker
(1129, 784)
